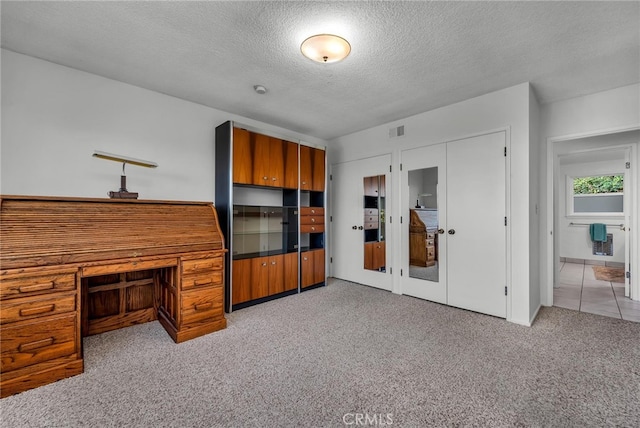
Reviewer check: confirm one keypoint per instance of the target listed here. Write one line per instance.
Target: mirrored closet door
(360, 229)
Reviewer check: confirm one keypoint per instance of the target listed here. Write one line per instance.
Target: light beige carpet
(329, 355)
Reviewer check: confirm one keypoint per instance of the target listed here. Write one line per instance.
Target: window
(602, 194)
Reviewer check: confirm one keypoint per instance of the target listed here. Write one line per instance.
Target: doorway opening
(593, 209)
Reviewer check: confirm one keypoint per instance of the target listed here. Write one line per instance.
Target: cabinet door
(290, 180)
(318, 266)
(306, 269)
(290, 271)
(261, 160)
(306, 173)
(318, 170)
(242, 157)
(312, 173)
(368, 255)
(276, 163)
(378, 255)
(276, 274)
(241, 286)
(259, 277)
(371, 186)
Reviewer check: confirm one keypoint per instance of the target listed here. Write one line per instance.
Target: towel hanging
(598, 232)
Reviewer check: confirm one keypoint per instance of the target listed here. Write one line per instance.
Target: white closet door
(347, 227)
(476, 232)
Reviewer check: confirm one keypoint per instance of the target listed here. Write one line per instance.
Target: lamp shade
(325, 48)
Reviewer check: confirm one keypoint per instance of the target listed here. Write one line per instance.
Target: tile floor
(581, 291)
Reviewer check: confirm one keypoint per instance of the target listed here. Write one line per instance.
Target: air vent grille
(396, 132)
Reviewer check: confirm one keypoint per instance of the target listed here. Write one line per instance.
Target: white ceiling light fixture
(325, 48)
(260, 89)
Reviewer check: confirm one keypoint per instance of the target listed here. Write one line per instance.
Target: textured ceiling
(407, 57)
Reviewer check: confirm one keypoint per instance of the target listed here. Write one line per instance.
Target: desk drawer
(37, 306)
(201, 305)
(202, 279)
(36, 284)
(128, 266)
(200, 265)
(29, 343)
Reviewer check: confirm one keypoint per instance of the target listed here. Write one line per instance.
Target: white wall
(54, 117)
(604, 112)
(506, 109)
(574, 240)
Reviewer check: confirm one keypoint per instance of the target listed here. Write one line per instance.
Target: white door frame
(552, 246)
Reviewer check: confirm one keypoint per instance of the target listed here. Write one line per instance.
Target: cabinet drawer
(198, 265)
(128, 266)
(314, 211)
(312, 228)
(430, 242)
(28, 343)
(37, 306)
(371, 225)
(371, 219)
(200, 305)
(431, 253)
(431, 235)
(307, 219)
(371, 212)
(22, 286)
(202, 279)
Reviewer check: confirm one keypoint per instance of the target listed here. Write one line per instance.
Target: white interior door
(424, 186)
(347, 227)
(476, 234)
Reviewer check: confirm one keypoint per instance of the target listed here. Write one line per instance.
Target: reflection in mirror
(374, 223)
(423, 225)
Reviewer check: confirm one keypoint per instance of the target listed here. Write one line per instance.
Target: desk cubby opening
(114, 301)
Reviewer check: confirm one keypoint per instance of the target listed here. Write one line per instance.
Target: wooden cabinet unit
(72, 267)
(270, 214)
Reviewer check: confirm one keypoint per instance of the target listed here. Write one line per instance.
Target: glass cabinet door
(258, 230)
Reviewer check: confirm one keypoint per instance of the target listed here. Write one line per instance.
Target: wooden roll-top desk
(72, 267)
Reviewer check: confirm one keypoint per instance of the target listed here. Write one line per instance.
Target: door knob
(354, 227)
(451, 232)
(440, 231)
(360, 227)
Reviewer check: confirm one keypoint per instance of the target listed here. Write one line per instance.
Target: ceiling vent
(396, 132)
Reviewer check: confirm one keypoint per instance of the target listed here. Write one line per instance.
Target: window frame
(570, 197)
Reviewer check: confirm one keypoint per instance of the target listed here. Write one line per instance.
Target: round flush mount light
(325, 48)
(260, 89)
